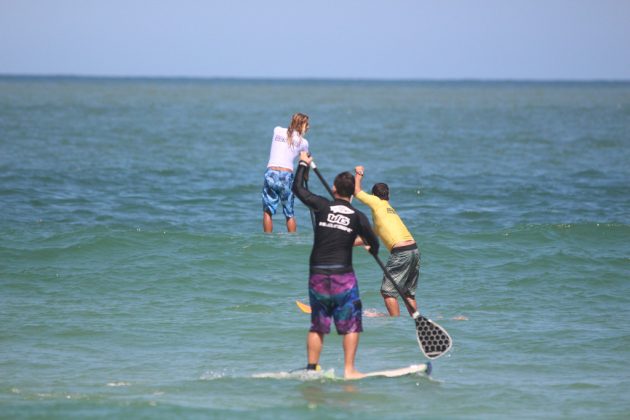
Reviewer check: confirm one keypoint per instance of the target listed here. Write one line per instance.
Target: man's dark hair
(381, 190)
(344, 184)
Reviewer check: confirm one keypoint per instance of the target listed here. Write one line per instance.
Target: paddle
(433, 340)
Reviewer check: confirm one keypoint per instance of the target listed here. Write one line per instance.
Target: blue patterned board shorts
(277, 189)
(335, 296)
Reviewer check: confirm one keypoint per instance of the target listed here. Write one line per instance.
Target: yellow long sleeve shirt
(387, 224)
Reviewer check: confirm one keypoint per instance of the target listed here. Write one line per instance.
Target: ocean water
(136, 282)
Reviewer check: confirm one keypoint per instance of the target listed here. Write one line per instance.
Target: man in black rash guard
(333, 289)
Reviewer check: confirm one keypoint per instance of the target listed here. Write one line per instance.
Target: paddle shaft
(311, 210)
(378, 260)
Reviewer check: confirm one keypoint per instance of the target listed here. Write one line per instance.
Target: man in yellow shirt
(404, 260)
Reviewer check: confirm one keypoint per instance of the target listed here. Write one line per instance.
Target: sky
(322, 39)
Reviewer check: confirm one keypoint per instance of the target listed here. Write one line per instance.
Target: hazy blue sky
(443, 39)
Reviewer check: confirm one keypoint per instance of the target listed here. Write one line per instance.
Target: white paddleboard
(409, 370)
(309, 375)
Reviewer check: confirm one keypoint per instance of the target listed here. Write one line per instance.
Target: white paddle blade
(433, 340)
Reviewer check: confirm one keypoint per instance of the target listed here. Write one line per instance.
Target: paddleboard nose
(429, 368)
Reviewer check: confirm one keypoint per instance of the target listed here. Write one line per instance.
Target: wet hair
(381, 190)
(344, 184)
(297, 123)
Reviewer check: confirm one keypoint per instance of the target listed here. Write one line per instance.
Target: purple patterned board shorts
(277, 189)
(335, 296)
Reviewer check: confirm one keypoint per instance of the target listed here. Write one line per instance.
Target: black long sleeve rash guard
(338, 223)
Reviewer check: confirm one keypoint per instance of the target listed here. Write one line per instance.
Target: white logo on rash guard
(341, 209)
(339, 219)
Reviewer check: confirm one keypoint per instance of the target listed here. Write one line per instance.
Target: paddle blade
(303, 307)
(434, 341)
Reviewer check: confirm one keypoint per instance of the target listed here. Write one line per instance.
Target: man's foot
(353, 374)
(313, 366)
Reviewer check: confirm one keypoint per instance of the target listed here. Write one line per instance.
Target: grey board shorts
(404, 266)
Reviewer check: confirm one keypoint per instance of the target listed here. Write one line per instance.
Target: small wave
(578, 386)
(300, 375)
(118, 384)
(211, 375)
(588, 173)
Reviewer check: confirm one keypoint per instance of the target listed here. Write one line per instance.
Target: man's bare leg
(391, 303)
(350, 345)
(412, 302)
(267, 222)
(314, 344)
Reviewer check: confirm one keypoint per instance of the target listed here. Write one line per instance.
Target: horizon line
(313, 79)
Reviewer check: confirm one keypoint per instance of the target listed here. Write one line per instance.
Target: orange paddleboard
(303, 306)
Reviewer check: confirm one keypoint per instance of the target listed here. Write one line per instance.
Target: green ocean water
(136, 282)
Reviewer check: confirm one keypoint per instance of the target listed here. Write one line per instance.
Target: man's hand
(358, 241)
(358, 175)
(306, 157)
